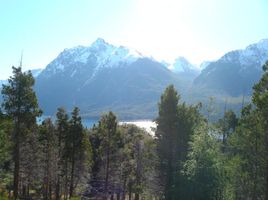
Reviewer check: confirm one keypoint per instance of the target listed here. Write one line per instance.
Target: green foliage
(5, 140)
(260, 99)
(167, 138)
(204, 165)
(260, 95)
(138, 160)
(188, 158)
(5, 153)
(245, 165)
(175, 125)
(109, 136)
(21, 105)
(77, 150)
(19, 99)
(247, 147)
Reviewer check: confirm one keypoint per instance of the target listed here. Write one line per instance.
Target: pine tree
(166, 134)
(5, 153)
(260, 99)
(62, 128)
(48, 145)
(110, 139)
(227, 125)
(20, 103)
(245, 158)
(175, 126)
(79, 151)
(75, 138)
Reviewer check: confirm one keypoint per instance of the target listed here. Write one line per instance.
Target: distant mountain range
(236, 72)
(183, 68)
(105, 77)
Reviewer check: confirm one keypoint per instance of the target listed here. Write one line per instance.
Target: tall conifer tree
(166, 134)
(20, 103)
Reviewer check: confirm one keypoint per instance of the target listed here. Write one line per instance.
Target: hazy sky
(197, 29)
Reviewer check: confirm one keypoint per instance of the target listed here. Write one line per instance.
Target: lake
(146, 124)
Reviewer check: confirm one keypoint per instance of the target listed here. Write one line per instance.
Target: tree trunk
(48, 173)
(124, 188)
(118, 196)
(58, 185)
(17, 165)
(107, 172)
(28, 190)
(169, 172)
(47, 181)
(266, 186)
(266, 178)
(137, 196)
(66, 189)
(138, 170)
(50, 191)
(72, 178)
(58, 189)
(130, 192)
(24, 193)
(254, 195)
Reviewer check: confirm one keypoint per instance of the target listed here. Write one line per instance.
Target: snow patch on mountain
(254, 54)
(204, 64)
(181, 64)
(104, 54)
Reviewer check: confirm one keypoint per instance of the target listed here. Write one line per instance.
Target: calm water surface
(148, 125)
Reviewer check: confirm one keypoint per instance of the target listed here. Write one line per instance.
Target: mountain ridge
(236, 71)
(98, 77)
(103, 77)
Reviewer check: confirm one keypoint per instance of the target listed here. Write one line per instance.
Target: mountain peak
(99, 42)
(181, 64)
(181, 59)
(263, 44)
(253, 55)
(265, 40)
(99, 55)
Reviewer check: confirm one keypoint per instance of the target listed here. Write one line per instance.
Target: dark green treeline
(188, 157)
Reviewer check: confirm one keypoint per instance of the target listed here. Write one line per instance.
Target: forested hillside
(188, 158)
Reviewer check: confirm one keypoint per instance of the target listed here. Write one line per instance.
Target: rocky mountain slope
(236, 72)
(104, 77)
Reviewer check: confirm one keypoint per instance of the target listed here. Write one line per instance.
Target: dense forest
(189, 157)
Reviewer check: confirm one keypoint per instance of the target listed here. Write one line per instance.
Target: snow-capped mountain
(98, 56)
(237, 71)
(102, 77)
(255, 54)
(204, 64)
(181, 64)
(184, 68)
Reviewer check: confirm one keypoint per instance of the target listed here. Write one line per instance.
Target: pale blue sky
(197, 29)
